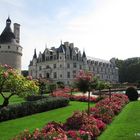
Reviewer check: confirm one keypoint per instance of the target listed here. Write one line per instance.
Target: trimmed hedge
(31, 107)
(35, 97)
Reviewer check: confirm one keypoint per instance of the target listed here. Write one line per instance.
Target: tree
(129, 69)
(100, 86)
(85, 82)
(16, 84)
(51, 87)
(108, 86)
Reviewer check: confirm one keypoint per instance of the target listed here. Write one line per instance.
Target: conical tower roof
(7, 35)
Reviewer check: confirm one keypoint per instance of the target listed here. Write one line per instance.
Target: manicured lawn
(126, 125)
(11, 128)
(14, 99)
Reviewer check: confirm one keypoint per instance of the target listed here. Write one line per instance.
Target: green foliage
(51, 87)
(60, 84)
(100, 85)
(34, 97)
(16, 84)
(85, 81)
(129, 70)
(27, 108)
(42, 87)
(132, 93)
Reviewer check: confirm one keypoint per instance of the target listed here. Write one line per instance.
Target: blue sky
(103, 28)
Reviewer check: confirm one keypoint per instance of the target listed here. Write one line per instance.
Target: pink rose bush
(106, 109)
(52, 131)
(80, 126)
(82, 98)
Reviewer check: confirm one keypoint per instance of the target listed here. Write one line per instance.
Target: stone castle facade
(64, 62)
(10, 49)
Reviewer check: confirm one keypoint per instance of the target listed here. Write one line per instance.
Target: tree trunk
(89, 103)
(6, 102)
(99, 93)
(110, 94)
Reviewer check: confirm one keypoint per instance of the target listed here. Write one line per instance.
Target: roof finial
(84, 54)
(8, 21)
(35, 56)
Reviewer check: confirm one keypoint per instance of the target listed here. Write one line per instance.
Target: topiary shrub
(132, 93)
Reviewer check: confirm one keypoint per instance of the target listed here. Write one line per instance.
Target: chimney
(66, 44)
(17, 32)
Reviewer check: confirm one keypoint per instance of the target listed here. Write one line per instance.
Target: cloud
(112, 30)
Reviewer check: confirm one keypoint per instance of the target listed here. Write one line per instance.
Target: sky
(103, 28)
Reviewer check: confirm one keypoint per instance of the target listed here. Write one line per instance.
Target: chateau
(62, 64)
(10, 49)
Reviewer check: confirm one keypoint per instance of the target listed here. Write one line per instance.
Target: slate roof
(7, 36)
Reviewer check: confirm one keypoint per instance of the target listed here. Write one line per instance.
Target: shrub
(81, 98)
(27, 108)
(34, 97)
(52, 131)
(78, 135)
(132, 93)
(82, 121)
(106, 109)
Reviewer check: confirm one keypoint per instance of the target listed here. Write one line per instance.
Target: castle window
(40, 67)
(47, 67)
(68, 74)
(40, 75)
(74, 74)
(54, 57)
(80, 67)
(60, 57)
(51, 57)
(8, 47)
(74, 65)
(55, 75)
(68, 57)
(17, 48)
(47, 75)
(0, 46)
(60, 75)
(68, 65)
(60, 66)
(54, 66)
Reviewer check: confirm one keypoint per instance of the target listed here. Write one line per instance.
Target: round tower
(10, 49)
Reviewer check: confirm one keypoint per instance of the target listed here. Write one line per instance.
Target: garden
(28, 114)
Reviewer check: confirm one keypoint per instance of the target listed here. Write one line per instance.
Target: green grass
(14, 99)
(11, 128)
(126, 126)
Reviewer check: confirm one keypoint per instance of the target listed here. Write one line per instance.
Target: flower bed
(80, 126)
(81, 98)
